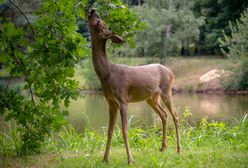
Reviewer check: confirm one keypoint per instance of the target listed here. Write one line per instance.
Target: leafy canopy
(119, 18)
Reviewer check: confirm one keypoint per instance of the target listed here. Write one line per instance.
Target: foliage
(46, 60)
(119, 18)
(236, 47)
(170, 28)
(133, 2)
(217, 15)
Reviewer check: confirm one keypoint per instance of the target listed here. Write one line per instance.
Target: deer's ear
(117, 39)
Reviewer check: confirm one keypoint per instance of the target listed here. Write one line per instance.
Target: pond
(91, 110)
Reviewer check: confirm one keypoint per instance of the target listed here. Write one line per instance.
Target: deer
(122, 84)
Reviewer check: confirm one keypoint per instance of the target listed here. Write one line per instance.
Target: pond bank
(184, 91)
(208, 91)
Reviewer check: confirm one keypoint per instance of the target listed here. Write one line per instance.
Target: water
(92, 110)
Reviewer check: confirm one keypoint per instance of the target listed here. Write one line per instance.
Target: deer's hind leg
(168, 101)
(154, 102)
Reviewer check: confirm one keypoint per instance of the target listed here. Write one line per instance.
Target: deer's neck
(100, 61)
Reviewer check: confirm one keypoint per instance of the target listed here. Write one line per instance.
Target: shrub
(236, 48)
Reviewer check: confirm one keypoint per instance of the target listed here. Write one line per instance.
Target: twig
(20, 63)
(30, 89)
(31, 26)
(21, 66)
(7, 87)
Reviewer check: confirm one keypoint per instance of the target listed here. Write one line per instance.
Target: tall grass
(210, 144)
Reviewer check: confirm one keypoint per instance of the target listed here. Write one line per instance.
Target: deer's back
(138, 82)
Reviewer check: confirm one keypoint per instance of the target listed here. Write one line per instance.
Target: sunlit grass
(189, 70)
(199, 157)
(202, 157)
(211, 144)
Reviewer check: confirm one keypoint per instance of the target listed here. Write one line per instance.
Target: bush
(236, 48)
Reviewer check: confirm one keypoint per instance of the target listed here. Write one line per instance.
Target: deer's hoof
(130, 161)
(105, 160)
(163, 148)
(179, 149)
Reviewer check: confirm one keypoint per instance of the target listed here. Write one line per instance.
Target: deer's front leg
(112, 120)
(124, 120)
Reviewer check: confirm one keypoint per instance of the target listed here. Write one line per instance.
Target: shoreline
(183, 91)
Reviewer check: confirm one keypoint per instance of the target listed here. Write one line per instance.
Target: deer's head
(100, 30)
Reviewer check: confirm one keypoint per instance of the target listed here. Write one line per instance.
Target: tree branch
(20, 64)
(7, 86)
(31, 26)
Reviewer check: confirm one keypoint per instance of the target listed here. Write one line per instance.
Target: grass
(211, 144)
(188, 70)
(202, 158)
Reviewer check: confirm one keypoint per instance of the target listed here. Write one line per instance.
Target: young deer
(122, 84)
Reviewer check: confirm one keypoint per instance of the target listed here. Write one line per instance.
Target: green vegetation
(44, 51)
(42, 41)
(172, 29)
(187, 27)
(217, 15)
(236, 48)
(210, 144)
(46, 59)
(119, 18)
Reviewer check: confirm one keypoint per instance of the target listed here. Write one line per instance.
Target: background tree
(171, 29)
(217, 16)
(133, 2)
(236, 48)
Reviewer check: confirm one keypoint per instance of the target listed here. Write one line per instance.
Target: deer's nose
(92, 12)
